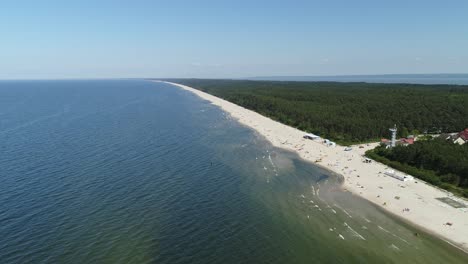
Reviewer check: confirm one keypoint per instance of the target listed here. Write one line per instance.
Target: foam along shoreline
(367, 180)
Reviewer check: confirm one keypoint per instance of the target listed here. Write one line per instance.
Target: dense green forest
(348, 112)
(436, 161)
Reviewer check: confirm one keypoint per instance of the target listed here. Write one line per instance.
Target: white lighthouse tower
(393, 142)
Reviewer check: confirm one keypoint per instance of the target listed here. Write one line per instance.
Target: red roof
(464, 134)
(407, 140)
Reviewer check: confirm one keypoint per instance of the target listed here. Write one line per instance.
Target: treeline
(348, 112)
(439, 162)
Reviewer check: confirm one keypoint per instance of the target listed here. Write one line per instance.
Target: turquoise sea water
(130, 171)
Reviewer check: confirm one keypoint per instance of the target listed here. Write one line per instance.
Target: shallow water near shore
(130, 171)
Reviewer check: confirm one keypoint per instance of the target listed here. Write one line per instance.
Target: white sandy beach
(364, 179)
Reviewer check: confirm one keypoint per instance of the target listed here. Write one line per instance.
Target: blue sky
(106, 39)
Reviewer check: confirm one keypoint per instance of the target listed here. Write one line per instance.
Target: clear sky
(235, 38)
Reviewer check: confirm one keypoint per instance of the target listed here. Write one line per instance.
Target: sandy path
(363, 179)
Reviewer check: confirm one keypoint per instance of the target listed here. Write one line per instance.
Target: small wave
(383, 229)
(392, 246)
(32, 122)
(354, 231)
(401, 239)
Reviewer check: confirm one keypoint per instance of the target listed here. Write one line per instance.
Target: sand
(364, 179)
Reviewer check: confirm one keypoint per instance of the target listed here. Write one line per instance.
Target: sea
(134, 171)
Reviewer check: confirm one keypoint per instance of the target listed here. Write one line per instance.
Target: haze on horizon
(230, 39)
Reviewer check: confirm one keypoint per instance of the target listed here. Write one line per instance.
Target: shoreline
(367, 180)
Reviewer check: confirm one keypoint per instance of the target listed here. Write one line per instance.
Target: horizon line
(238, 78)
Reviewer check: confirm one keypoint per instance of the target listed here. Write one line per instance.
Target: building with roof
(402, 141)
(457, 137)
(464, 134)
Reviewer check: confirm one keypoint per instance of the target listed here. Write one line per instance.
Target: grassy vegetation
(348, 112)
(438, 162)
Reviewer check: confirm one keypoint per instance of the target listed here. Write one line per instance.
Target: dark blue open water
(129, 171)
